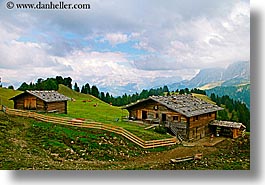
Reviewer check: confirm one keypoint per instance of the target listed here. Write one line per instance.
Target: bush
(161, 129)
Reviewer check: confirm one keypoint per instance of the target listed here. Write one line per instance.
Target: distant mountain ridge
(234, 74)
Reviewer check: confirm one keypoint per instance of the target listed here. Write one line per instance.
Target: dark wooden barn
(41, 101)
(186, 116)
(227, 128)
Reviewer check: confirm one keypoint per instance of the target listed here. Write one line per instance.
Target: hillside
(90, 107)
(29, 144)
(93, 109)
(204, 98)
(26, 144)
(240, 92)
(6, 94)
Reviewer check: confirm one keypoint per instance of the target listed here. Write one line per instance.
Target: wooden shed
(227, 128)
(185, 115)
(41, 101)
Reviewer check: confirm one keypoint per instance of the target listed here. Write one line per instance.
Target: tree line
(120, 100)
(48, 84)
(233, 110)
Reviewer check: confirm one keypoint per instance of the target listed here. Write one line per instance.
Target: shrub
(161, 129)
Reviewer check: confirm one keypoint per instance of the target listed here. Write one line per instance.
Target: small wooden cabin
(41, 101)
(227, 128)
(185, 115)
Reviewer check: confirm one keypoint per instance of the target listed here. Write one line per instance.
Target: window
(195, 118)
(175, 118)
(155, 107)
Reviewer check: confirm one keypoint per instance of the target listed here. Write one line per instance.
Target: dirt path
(152, 160)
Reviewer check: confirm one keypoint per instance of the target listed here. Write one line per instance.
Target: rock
(198, 156)
(55, 155)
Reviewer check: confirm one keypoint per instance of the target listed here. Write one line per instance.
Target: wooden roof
(187, 105)
(228, 124)
(47, 96)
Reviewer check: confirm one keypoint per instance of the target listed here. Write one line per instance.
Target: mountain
(234, 74)
(206, 76)
(239, 70)
(130, 88)
(233, 81)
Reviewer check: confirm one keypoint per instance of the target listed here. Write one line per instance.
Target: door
(164, 117)
(144, 114)
(30, 103)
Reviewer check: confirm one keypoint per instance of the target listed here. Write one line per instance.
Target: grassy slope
(29, 144)
(104, 113)
(204, 98)
(6, 94)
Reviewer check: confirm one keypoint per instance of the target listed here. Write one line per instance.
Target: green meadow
(5, 94)
(92, 109)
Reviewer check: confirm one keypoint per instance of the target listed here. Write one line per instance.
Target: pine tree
(94, 91)
(76, 88)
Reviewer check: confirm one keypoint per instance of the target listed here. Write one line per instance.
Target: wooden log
(181, 159)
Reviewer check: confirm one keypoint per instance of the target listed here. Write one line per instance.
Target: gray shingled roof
(47, 96)
(187, 105)
(228, 124)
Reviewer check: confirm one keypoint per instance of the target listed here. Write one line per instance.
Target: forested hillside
(240, 93)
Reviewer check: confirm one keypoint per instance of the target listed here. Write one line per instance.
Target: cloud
(115, 38)
(120, 42)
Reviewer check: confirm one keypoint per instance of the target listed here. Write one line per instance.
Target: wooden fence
(95, 125)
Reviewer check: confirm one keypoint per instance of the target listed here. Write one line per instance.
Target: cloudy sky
(122, 43)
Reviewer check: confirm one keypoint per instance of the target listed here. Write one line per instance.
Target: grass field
(204, 98)
(5, 94)
(104, 113)
(29, 144)
(91, 108)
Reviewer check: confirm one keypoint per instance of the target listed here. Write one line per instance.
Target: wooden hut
(185, 115)
(41, 101)
(227, 128)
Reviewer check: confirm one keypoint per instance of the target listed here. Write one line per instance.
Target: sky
(122, 44)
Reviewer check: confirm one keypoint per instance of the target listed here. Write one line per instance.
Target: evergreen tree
(68, 82)
(102, 96)
(108, 100)
(11, 87)
(222, 115)
(24, 86)
(95, 91)
(49, 84)
(87, 88)
(59, 80)
(83, 89)
(76, 88)
(181, 91)
(166, 90)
